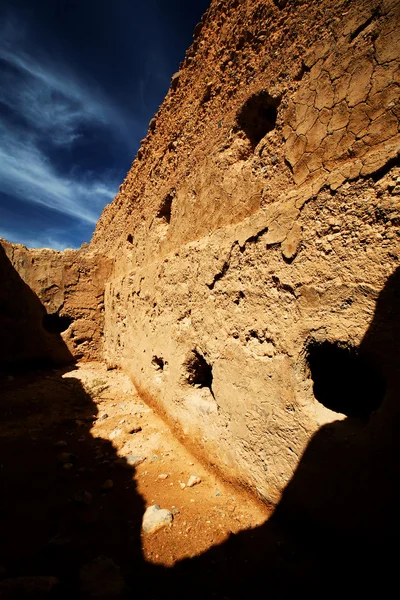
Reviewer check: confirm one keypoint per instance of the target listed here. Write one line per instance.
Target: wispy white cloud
(47, 106)
(25, 172)
(54, 239)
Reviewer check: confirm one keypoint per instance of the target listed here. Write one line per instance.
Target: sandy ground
(205, 514)
(68, 441)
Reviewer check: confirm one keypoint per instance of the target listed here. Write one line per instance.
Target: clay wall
(256, 230)
(52, 305)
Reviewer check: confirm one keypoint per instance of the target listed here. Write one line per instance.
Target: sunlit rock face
(52, 305)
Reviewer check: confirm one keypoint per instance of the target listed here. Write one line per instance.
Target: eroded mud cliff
(248, 261)
(51, 305)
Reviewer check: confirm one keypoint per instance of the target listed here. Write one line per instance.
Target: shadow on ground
(335, 530)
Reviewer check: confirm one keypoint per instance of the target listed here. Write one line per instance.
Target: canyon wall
(51, 305)
(256, 229)
(247, 257)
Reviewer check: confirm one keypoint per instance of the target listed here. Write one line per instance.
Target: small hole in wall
(165, 209)
(198, 371)
(240, 296)
(344, 381)
(158, 363)
(258, 116)
(54, 323)
(130, 238)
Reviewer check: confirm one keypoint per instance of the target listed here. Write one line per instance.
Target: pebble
(156, 518)
(163, 476)
(83, 497)
(68, 466)
(105, 416)
(108, 485)
(193, 480)
(66, 457)
(135, 429)
(130, 460)
(60, 444)
(183, 485)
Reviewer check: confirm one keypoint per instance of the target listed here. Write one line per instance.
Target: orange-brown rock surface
(255, 240)
(52, 304)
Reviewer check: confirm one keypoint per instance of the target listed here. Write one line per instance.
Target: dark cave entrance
(258, 116)
(165, 209)
(344, 381)
(158, 363)
(198, 371)
(54, 323)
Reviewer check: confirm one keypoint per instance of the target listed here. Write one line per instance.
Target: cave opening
(344, 381)
(258, 115)
(165, 209)
(54, 323)
(158, 363)
(198, 371)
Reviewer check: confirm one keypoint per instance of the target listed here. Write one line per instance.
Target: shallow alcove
(198, 371)
(165, 209)
(158, 363)
(54, 323)
(258, 116)
(344, 381)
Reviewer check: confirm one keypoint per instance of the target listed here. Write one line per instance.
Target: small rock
(175, 80)
(163, 476)
(68, 466)
(108, 485)
(10, 378)
(67, 457)
(83, 497)
(135, 429)
(193, 480)
(133, 460)
(104, 416)
(130, 460)
(183, 485)
(156, 518)
(60, 444)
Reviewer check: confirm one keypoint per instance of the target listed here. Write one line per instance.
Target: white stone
(193, 480)
(156, 518)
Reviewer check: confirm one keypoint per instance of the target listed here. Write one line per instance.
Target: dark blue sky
(79, 83)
